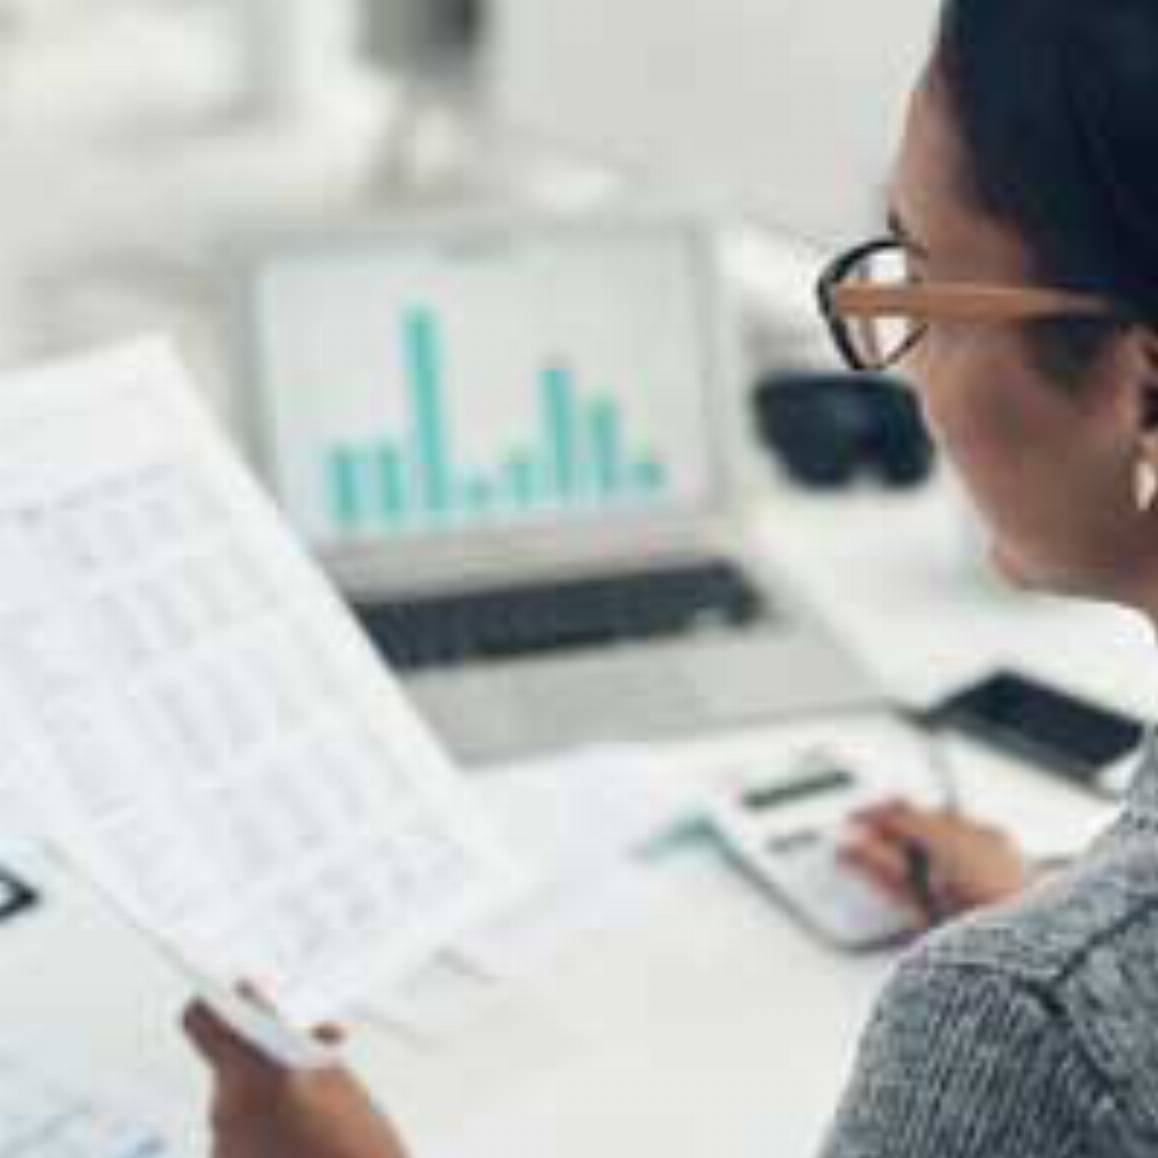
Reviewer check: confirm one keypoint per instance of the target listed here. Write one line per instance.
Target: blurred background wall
(788, 106)
(145, 143)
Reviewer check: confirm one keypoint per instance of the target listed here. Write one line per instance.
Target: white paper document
(579, 823)
(192, 716)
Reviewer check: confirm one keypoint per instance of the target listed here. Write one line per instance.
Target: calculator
(785, 833)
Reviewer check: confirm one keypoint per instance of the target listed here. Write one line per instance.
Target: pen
(926, 725)
(919, 869)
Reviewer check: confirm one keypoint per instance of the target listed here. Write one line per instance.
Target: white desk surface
(709, 1026)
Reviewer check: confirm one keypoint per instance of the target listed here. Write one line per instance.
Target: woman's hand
(969, 865)
(261, 1110)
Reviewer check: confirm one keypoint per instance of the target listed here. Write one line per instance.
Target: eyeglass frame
(841, 301)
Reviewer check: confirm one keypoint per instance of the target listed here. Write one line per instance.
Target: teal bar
(391, 485)
(560, 409)
(607, 449)
(478, 496)
(431, 441)
(345, 492)
(520, 480)
(650, 477)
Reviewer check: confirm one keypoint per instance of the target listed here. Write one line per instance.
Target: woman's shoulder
(1070, 967)
(1024, 1029)
(970, 1053)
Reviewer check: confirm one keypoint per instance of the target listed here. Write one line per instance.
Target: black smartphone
(1064, 733)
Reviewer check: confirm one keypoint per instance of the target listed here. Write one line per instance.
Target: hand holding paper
(262, 1110)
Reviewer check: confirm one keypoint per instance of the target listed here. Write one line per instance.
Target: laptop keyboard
(502, 623)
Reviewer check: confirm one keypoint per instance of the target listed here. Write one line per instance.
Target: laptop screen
(486, 379)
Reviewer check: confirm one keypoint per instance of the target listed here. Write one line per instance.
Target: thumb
(220, 1046)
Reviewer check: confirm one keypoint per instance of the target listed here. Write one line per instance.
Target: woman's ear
(1147, 384)
(1146, 421)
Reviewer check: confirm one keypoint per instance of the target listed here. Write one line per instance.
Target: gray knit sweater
(1030, 1031)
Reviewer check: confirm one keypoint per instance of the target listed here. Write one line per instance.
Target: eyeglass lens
(879, 342)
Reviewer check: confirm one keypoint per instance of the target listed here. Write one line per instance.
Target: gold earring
(1145, 485)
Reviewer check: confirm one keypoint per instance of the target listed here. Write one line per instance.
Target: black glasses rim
(850, 351)
(838, 269)
(831, 276)
(845, 260)
(903, 350)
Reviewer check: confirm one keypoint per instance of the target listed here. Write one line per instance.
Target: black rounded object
(829, 429)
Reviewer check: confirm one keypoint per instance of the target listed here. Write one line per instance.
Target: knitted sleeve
(966, 1062)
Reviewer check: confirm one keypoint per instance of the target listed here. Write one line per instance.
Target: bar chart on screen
(575, 452)
(461, 389)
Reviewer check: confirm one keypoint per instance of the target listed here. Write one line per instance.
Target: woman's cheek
(940, 369)
(981, 446)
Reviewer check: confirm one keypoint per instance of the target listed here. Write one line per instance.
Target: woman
(1025, 226)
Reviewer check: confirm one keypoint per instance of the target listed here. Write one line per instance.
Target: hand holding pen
(939, 862)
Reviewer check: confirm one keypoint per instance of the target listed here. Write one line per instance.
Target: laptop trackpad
(635, 693)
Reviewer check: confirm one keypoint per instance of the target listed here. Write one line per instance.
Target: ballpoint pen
(920, 874)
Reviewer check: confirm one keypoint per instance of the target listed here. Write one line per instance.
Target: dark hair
(1056, 102)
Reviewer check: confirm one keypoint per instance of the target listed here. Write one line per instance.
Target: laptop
(512, 444)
